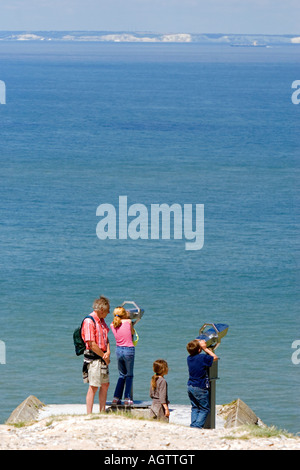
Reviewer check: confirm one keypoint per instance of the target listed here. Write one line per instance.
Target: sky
(171, 16)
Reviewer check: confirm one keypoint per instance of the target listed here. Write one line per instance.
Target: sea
(209, 125)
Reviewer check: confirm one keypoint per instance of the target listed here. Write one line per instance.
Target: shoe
(128, 402)
(116, 401)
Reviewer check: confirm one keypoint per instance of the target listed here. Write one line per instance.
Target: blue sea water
(160, 123)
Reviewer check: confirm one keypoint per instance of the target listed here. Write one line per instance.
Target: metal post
(210, 422)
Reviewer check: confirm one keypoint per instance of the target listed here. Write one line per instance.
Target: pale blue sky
(194, 16)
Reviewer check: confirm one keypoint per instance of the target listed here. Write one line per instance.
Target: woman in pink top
(123, 331)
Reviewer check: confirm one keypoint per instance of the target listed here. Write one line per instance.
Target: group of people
(97, 358)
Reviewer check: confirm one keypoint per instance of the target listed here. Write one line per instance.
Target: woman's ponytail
(119, 315)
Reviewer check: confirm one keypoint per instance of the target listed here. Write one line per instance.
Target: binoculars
(135, 312)
(213, 335)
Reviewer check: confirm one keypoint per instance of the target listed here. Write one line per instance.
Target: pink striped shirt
(97, 333)
(123, 334)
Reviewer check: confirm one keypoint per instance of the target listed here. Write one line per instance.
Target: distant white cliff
(134, 37)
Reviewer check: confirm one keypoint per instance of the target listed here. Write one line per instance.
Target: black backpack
(77, 338)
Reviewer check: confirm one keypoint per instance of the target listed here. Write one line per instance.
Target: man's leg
(103, 395)
(90, 398)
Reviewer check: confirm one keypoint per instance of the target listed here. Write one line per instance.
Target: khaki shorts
(98, 373)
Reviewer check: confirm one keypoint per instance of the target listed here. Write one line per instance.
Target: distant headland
(252, 40)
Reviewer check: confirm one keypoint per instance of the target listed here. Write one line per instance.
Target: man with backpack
(94, 332)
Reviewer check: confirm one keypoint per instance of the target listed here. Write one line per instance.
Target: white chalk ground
(78, 432)
(179, 414)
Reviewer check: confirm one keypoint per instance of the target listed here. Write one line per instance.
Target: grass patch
(21, 424)
(258, 432)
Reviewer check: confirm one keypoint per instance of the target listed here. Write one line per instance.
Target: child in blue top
(198, 383)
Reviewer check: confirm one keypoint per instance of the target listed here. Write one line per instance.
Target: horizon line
(147, 31)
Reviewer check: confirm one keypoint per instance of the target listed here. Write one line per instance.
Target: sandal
(116, 401)
(128, 402)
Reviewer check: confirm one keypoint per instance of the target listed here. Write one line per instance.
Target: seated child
(159, 391)
(198, 382)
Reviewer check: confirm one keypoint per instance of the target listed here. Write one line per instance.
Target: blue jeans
(199, 398)
(125, 357)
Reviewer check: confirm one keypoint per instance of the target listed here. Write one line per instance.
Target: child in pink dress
(123, 331)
